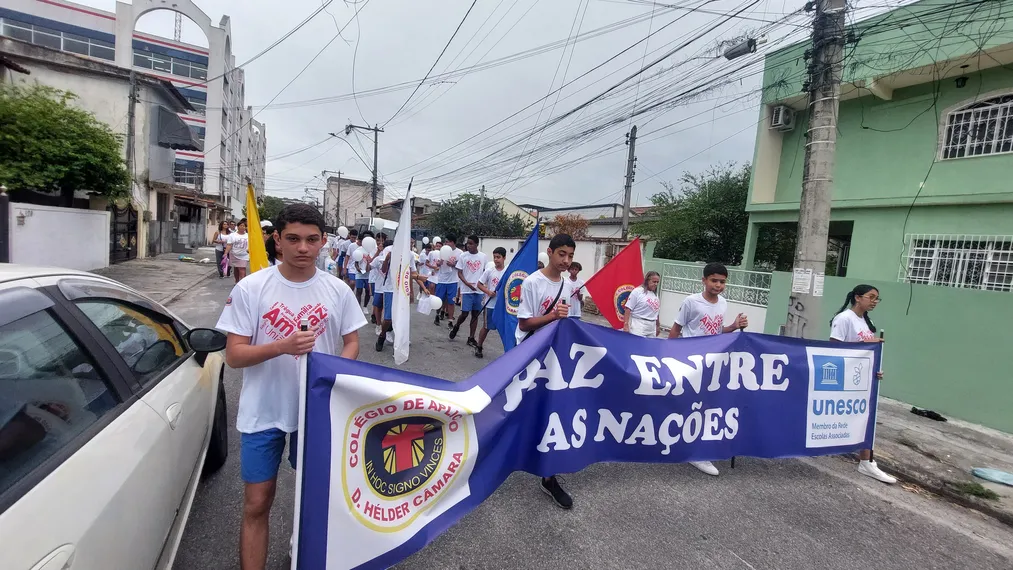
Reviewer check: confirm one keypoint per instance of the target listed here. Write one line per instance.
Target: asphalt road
(777, 515)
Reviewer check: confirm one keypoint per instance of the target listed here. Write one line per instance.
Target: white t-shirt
(361, 268)
(434, 256)
(266, 307)
(325, 253)
(422, 258)
(849, 327)
(338, 246)
(374, 270)
(472, 265)
(644, 304)
(537, 293)
(575, 289)
(699, 317)
(240, 245)
(350, 247)
(448, 271)
(385, 282)
(490, 278)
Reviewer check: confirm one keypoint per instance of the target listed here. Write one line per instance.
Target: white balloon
(490, 266)
(544, 258)
(369, 244)
(435, 303)
(358, 254)
(425, 241)
(446, 253)
(342, 232)
(437, 240)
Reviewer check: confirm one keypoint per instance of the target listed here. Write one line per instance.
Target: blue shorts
(260, 454)
(388, 301)
(377, 298)
(351, 275)
(361, 282)
(488, 317)
(341, 260)
(472, 301)
(446, 292)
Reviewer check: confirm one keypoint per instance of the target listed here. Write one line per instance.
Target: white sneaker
(378, 331)
(705, 466)
(390, 337)
(291, 545)
(870, 469)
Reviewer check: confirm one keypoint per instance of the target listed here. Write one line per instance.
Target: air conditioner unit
(782, 118)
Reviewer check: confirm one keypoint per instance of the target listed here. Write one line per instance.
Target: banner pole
(304, 325)
(872, 450)
(741, 329)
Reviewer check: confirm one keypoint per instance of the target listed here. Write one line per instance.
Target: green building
(923, 183)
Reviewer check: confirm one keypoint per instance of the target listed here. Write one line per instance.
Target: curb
(940, 487)
(172, 298)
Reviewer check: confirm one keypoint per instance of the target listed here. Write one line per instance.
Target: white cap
(265, 223)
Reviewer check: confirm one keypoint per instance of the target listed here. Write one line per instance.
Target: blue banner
(508, 293)
(392, 459)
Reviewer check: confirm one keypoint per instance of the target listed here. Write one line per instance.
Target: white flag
(402, 257)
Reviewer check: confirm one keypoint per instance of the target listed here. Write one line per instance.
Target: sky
(500, 124)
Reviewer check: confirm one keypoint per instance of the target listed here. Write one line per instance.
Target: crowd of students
(342, 280)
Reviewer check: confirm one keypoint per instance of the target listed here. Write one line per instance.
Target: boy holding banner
(262, 317)
(704, 314)
(488, 283)
(544, 296)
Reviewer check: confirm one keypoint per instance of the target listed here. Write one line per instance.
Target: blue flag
(390, 459)
(508, 294)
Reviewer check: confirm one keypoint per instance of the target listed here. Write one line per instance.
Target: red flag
(611, 286)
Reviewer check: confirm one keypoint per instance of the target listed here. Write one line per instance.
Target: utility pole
(481, 200)
(5, 229)
(337, 207)
(631, 160)
(131, 111)
(376, 144)
(824, 88)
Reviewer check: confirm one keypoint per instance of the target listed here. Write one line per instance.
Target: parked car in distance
(111, 408)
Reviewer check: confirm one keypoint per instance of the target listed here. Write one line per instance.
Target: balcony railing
(747, 287)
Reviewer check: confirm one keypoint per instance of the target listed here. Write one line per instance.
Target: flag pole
(872, 448)
(304, 325)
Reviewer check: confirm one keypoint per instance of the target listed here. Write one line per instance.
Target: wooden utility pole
(631, 159)
(824, 88)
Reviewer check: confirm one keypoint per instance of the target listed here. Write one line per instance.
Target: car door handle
(59, 559)
(172, 414)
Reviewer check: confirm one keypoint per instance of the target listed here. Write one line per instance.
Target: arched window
(981, 128)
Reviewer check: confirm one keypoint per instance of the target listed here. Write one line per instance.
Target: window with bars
(963, 261)
(982, 128)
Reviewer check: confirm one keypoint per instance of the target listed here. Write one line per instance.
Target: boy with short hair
(446, 279)
(352, 245)
(544, 296)
(375, 263)
(470, 266)
(361, 268)
(262, 318)
(703, 314)
(577, 285)
(488, 284)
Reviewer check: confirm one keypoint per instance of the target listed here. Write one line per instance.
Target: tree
(49, 146)
(572, 224)
(269, 207)
(706, 220)
(460, 216)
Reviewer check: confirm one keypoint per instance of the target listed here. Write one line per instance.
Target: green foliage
(47, 145)
(460, 217)
(706, 220)
(268, 207)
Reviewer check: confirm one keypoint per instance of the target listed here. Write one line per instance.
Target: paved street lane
(775, 515)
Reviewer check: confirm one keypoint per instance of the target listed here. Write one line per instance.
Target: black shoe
(380, 340)
(551, 488)
(472, 343)
(372, 319)
(453, 332)
(450, 324)
(478, 352)
(437, 321)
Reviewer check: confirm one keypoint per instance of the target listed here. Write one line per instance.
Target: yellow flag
(258, 251)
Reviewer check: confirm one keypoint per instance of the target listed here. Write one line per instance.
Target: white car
(110, 410)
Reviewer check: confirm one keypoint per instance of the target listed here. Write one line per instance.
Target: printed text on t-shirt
(712, 323)
(279, 322)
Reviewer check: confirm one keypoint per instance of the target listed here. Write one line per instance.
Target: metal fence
(748, 287)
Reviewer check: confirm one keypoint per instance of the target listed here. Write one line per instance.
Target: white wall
(670, 302)
(43, 239)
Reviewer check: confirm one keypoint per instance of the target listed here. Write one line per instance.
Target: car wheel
(218, 448)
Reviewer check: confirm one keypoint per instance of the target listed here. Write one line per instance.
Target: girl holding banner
(852, 324)
(643, 307)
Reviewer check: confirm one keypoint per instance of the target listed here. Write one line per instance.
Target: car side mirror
(206, 340)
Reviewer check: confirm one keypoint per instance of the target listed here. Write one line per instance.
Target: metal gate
(122, 234)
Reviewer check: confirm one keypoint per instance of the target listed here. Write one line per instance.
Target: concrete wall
(43, 239)
(947, 353)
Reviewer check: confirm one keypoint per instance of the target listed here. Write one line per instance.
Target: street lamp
(745, 47)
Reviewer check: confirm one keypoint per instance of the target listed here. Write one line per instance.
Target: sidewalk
(938, 456)
(163, 278)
